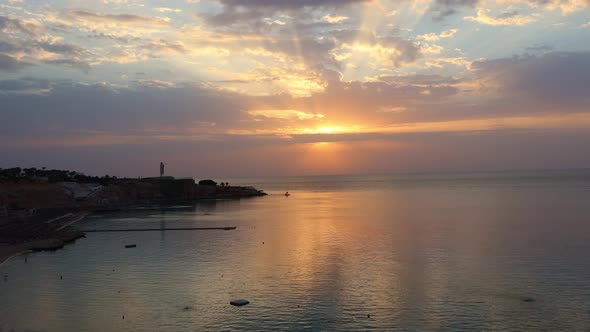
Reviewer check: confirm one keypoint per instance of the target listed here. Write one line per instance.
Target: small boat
(239, 303)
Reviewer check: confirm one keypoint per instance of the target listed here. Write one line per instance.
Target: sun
(326, 130)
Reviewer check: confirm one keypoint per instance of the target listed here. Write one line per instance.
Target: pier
(160, 229)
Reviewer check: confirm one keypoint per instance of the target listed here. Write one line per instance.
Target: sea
(495, 251)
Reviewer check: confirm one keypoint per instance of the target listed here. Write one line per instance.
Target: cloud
(29, 85)
(552, 79)
(69, 62)
(10, 64)
(540, 94)
(434, 37)
(448, 33)
(431, 49)
(285, 114)
(421, 79)
(31, 46)
(539, 48)
(11, 25)
(334, 19)
(565, 6)
(249, 12)
(390, 50)
(125, 19)
(167, 10)
(289, 4)
(440, 9)
(148, 110)
(506, 18)
(21, 53)
(164, 46)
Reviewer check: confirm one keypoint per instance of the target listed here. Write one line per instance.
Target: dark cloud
(556, 78)
(10, 64)
(250, 12)
(70, 55)
(31, 85)
(506, 15)
(74, 63)
(9, 47)
(149, 107)
(60, 48)
(440, 9)
(556, 3)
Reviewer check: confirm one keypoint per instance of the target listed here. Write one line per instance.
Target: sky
(228, 88)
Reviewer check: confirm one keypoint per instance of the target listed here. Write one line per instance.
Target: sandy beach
(10, 251)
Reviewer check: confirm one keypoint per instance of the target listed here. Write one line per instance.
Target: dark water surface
(423, 252)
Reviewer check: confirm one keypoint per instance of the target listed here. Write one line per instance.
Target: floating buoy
(239, 303)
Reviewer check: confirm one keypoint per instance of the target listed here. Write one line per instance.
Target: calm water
(442, 252)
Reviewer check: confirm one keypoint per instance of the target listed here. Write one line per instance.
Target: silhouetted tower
(161, 169)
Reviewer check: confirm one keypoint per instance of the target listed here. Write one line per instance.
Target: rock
(239, 303)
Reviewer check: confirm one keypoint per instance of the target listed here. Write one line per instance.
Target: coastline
(43, 214)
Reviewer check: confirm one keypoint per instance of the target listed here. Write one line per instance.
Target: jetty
(229, 228)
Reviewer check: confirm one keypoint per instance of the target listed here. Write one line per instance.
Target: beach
(38, 234)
